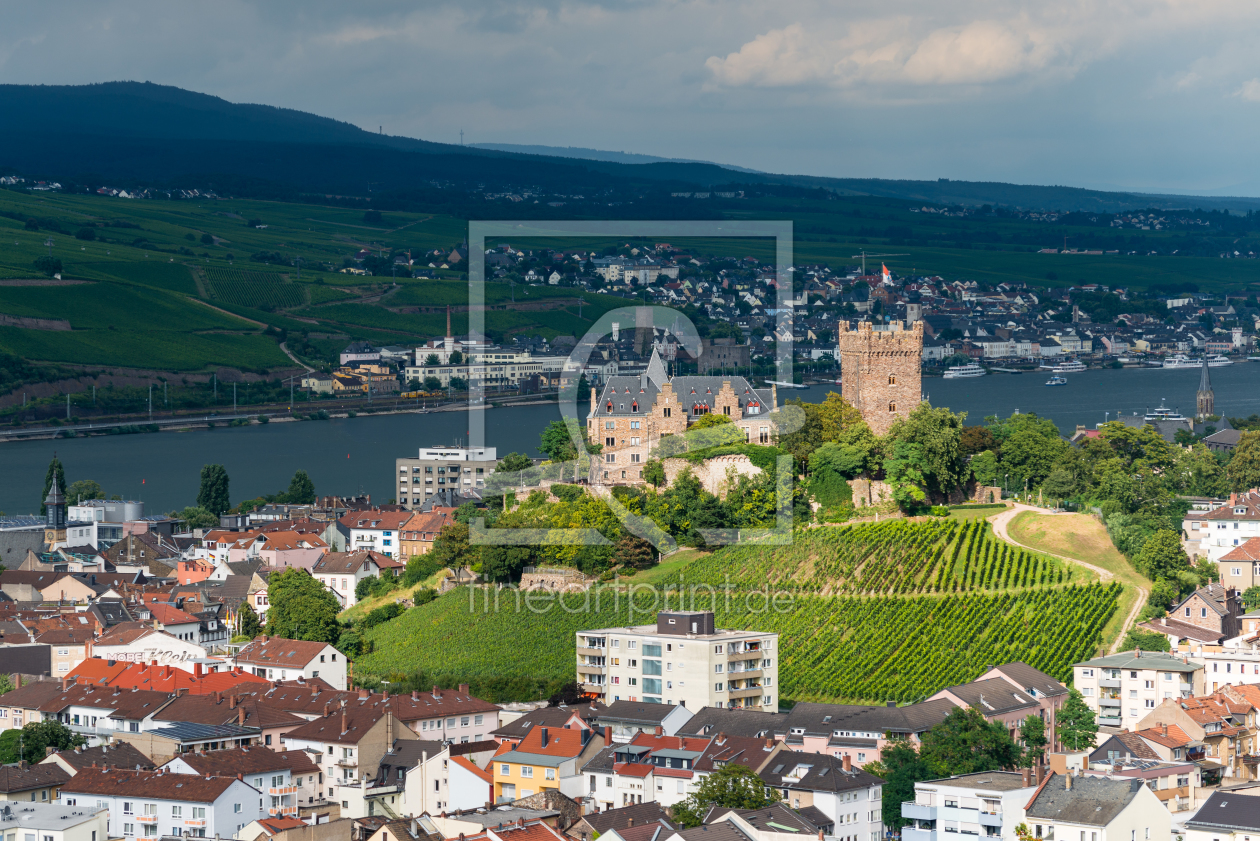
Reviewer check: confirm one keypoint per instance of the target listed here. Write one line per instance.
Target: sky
(1155, 96)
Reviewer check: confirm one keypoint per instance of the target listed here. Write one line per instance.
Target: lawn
(1081, 536)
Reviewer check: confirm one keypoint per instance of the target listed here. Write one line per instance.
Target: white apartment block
(53, 822)
(988, 805)
(1123, 688)
(492, 368)
(682, 659)
(442, 468)
(1214, 534)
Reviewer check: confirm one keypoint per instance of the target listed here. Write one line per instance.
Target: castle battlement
(881, 371)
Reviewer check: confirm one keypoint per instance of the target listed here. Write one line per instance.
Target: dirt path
(284, 346)
(230, 314)
(1002, 521)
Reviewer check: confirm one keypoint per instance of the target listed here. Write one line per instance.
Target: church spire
(1204, 398)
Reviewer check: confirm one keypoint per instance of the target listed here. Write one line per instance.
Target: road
(1000, 523)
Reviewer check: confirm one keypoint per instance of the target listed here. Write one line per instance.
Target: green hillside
(900, 645)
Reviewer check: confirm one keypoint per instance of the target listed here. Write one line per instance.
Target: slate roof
(711, 721)
(826, 773)
(768, 819)
(246, 760)
(350, 562)
(550, 717)
(640, 813)
(823, 719)
(1032, 680)
(625, 392)
(992, 697)
(120, 754)
(635, 712)
(1229, 811)
(279, 652)
(1157, 660)
(720, 831)
(1094, 801)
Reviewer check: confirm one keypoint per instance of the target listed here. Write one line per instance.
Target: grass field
(1081, 536)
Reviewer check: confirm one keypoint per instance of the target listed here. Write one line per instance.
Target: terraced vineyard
(951, 603)
(891, 557)
(253, 289)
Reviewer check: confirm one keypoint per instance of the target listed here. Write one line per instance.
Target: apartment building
(1223, 726)
(281, 778)
(276, 658)
(491, 367)
(374, 530)
(54, 822)
(683, 659)
(1122, 688)
(439, 468)
(988, 805)
(1214, 534)
(850, 798)
(152, 804)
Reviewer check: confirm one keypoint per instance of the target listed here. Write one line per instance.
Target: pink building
(190, 572)
(279, 550)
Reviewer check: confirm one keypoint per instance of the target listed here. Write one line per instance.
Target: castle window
(892, 407)
(726, 410)
(634, 407)
(892, 379)
(666, 411)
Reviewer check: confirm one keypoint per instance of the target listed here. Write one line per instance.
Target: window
(892, 406)
(236, 807)
(505, 770)
(892, 380)
(128, 808)
(463, 721)
(551, 773)
(527, 771)
(177, 813)
(717, 687)
(199, 813)
(128, 829)
(477, 720)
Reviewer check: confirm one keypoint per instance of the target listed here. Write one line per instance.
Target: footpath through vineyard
(1001, 523)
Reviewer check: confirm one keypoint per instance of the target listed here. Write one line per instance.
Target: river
(352, 455)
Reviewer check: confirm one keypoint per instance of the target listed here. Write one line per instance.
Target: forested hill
(134, 134)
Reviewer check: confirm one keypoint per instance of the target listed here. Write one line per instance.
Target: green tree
(965, 743)
(452, 549)
(1032, 733)
(432, 383)
(557, 442)
(247, 622)
(10, 746)
(432, 359)
(732, 786)
(1146, 640)
(906, 471)
(213, 495)
(456, 358)
(1075, 723)
(1244, 466)
(196, 518)
(515, 462)
(1059, 485)
(1199, 472)
(84, 489)
(1251, 598)
(301, 489)
(1161, 555)
(55, 470)
(48, 265)
(37, 737)
(302, 608)
(86, 234)
(901, 767)
(984, 466)
(458, 384)
(937, 432)
(654, 472)
(419, 567)
(976, 439)
(503, 563)
(6, 683)
(634, 552)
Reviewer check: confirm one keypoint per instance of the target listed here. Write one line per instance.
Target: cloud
(1250, 91)
(889, 52)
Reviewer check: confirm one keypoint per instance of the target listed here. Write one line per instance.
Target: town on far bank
(856, 619)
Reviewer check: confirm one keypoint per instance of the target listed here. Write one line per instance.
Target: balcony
(591, 652)
(588, 669)
(917, 811)
(195, 822)
(1251, 759)
(1110, 683)
(991, 819)
(348, 762)
(1108, 702)
(1109, 721)
(912, 834)
(593, 688)
(281, 811)
(146, 818)
(746, 692)
(282, 790)
(1196, 755)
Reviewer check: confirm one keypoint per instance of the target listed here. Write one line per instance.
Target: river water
(352, 455)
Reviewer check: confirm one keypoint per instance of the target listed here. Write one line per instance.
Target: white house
(280, 777)
(341, 572)
(379, 531)
(989, 803)
(1213, 534)
(145, 645)
(1097, 809)
(151, 804)
(1225, 816)
(276, 658)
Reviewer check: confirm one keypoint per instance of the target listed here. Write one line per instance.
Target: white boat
(1164, 413)
(782, 384)
(1180, 360)
(1219, 361)
(1057, 380)
(961, 372)
(1071, 366)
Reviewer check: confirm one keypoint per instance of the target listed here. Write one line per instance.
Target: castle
(631, 415)
(881, 371)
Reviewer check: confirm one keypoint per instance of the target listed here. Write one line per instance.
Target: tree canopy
(214, 494)
(732, 786)
(301, 608)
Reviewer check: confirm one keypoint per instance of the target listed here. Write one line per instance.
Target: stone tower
(55, 524)
(1204, 399)
(881, 371)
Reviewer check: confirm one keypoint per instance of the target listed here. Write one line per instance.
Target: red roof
(100, 672)
(633, 769)
(275, 825)
(468, 766)
(168, 614)
(1249, 551)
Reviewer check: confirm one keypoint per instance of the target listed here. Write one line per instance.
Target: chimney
(17, 682)
(721, 738)
(463, 689)
(846, 762)
(345, 724)
(607, 736)
(240, 716)
(196, 670)
(769, 744)
(415, 696)
(232, 702)
(890, 704)
(437, 693)
(1067, 781)
(660, 731)
(218, 697)
(65, 684)
(820, 835)
(542, 733)
(327, 709)
(630, 822)
(1165, 729)
(1027, 775)
(389, 731)
(364, 694)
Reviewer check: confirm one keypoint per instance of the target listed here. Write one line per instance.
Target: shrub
(568, 493)
(86, 234)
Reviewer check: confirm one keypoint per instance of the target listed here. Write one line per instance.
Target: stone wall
(717, 475)
(870, 492)
(558, 580)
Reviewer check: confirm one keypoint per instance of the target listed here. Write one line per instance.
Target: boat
(1072, 366)
(1057, 380)
(960, 372)
(1180, 360)
(1219, 361)
(1163, 413)
(782, 384)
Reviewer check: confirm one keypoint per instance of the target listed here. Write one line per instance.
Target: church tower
(55, 523)
(881, 371)
(1204, 399)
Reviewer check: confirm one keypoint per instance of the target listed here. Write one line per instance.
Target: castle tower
(1204, 398)
(881, 371)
